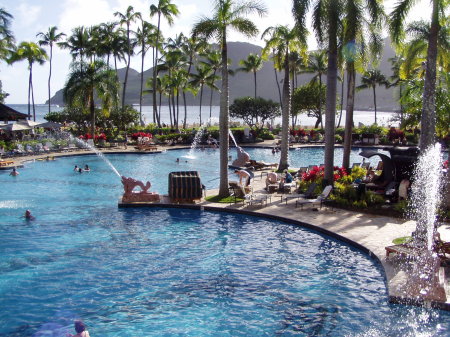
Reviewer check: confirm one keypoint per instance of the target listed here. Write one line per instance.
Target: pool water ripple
(164, 272)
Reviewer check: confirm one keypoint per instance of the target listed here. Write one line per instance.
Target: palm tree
(6, 35)
(77, 43)
(144, 36)
(88, 81)
(192, 47)
(284, 41)
(31, 52)
(253, 63)
(362, 22)
(371, 79)
(165, 9)
(317, 64)
(397, 18)
(106, 38)
(126, 19)
(48, 39)
(203, 76)
(326, 14)
(228, 14)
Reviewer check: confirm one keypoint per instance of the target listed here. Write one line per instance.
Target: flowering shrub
(87, 136)
(394, 134)
(298, 133)
(317, 173)
(101, 136)
(136, 135)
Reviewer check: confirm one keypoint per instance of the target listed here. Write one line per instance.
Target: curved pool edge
(349, 237)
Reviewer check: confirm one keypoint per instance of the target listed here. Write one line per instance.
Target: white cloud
(28, 14)
(84, 13)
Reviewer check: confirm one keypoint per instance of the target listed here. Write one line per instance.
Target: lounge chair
(319, 200)
(247, 197)
(308, 194)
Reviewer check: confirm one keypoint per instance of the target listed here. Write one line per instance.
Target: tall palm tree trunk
(142, 85)
(428, 118)
(29, 94)
(285, 116)
(201, 97)
(342, 100)
(223, 121)
(155, 65)
(50, 76)
(32, 93)
(127, 69)
(92, 110)
(375, 102)
(320, 103)
(254, 77)
(211, 97)
(278, 86)
(331, 101)
(185, 109)
(349, 114)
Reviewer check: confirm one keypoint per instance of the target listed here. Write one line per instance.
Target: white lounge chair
(319, 200)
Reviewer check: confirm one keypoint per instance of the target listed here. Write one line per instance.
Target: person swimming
(14, 172)
(80, 328)
(28, 215)
(86, 168)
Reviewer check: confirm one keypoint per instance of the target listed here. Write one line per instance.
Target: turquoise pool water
(157, 272)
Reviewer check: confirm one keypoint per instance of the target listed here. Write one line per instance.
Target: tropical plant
(308, 99)
(6, 36)
(317, 65)
(227, 14)
(48, 39)
(126, 19)
(254, 111)
(326, 23)
(78, 44)
(31, 52)
(361, 37)
(370, 80)
(252, 64)
(192, 47)
(213, 59)
(144, 36)
(167, 10)
(397, 31)
(283, 41)
(88, 81)
(203, 76)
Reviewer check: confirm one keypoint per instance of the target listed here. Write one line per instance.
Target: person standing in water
(14, 172)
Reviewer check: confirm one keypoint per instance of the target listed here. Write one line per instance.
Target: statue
(242, 157)
(137, 196)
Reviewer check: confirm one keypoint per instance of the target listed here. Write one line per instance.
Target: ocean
(364, 117)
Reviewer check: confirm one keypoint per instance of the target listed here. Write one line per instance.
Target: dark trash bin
(185, 186)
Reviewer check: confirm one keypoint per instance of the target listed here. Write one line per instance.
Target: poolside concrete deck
(371, 233)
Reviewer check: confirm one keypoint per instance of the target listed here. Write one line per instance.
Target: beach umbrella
(9, 114)
(16, 127)
(50, 125)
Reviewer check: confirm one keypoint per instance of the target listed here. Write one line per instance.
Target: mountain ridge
(242, 84)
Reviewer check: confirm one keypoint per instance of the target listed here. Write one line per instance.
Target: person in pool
(14, 172)
(86, 168)
(80, 328)
(28, 215)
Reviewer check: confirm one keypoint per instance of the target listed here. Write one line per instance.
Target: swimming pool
(158, 272)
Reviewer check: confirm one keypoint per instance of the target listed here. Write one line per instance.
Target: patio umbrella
(16, 127)
(50, 125)
(27, 122)
(9, 114)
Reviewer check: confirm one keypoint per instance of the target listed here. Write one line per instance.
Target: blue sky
(34, 16)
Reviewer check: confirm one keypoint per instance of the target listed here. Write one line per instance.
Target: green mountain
(241, 84)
